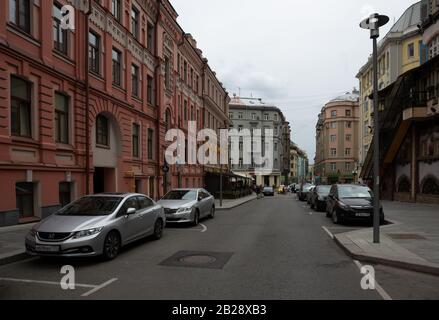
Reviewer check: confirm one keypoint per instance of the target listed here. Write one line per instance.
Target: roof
(348, 96)
(410, 18)
(251, 102)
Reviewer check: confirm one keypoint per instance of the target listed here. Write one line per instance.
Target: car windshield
(268, 189)
(323, 190)
(346, 192)
(308, 187)
(181, 195)
(91, 206)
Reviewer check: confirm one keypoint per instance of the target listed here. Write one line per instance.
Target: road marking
(378, 288)
(97, 288)
(328, 232)
(204, 228)
(45, 282)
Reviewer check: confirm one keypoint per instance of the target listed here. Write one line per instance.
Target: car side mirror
(131, 211)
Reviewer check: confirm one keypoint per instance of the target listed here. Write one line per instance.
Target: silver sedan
(188, 205)
(97, 225)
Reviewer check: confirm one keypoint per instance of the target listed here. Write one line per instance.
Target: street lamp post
(373, 23)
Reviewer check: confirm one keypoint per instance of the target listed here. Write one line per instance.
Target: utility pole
(373, 23)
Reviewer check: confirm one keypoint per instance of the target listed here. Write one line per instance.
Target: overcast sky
(295, 54)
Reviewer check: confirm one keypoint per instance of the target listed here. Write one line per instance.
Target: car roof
(118, 194)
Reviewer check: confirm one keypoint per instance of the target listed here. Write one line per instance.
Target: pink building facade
(77, 119)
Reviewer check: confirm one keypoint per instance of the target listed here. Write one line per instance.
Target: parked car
(97, 225)
(268, 191)
(188, 205)
(281, 189)
(319, 196)
(351, 203)
(308, 195)
(304, 189)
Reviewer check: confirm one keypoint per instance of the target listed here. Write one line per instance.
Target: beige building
(398, 52)
(337, 140)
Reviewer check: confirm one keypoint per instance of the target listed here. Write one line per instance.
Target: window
(185, 72)
(333, 113)
(145, 202)
(347, 167)
(253, 116)
(61, 118)
(333, 138)
(60, 35)
(411, 50)
(135, 80)
(150, 144)
(230, 115)
(151, 188)
(333, 166)
(240, 115)
(116, 9)
(347, 152)
(348, 124)
(136, 140)
(150, 37)
(275, 146)
(348, 113)
(348, 137)
(276, 117)
(333, 152)
(20, 14)
(150, 89)
(24, 193)
(266, 117)
(65, 191)
(333, 125)
(20, 107)
(102, 136)
(167, 74)
(94, 52)
(117, 59)
(185, 111)
(135, 22)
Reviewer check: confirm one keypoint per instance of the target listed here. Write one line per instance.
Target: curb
(427, 268)
(235, 206)
(17, 255)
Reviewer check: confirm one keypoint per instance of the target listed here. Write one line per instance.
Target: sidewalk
(230, 204)
(411, 242)
(12, 243)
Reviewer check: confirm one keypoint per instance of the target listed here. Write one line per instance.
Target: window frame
(27, 104)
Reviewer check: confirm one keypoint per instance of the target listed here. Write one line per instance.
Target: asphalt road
(273, 248)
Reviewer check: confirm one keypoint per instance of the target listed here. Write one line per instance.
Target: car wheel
(112, 245)
(158, 229)
(335, 218)
(196, 220)
(212, 213)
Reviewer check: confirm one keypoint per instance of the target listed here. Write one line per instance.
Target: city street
(273, 248)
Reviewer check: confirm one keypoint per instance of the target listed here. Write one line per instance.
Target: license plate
(47, 249)
(363, 214)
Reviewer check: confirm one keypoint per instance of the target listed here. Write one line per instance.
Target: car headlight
(184, 210)
(33, 232)
(343, 205)
(87, 233)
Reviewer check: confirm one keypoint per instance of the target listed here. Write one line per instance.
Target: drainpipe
(203, 117)
(87, 103)
(157, 94)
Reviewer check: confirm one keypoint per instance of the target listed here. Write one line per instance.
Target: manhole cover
(406, 236)
(198, 259)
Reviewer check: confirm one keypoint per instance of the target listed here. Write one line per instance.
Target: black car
(268, 191)
(304, 189)
(351, 203)
(318, 197)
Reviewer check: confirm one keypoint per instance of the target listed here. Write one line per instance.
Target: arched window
(102, 131)
(430, 186)
(168, 119)
(404, 184)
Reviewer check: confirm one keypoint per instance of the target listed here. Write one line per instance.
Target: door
(24, 192)
(205, 203)
(130, 226)
(148, 215)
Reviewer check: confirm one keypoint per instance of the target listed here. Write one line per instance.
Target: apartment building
(86, 110)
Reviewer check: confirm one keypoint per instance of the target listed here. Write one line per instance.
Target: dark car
(318, 197)
(351, 203)
(268, 191)
(304, 189)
